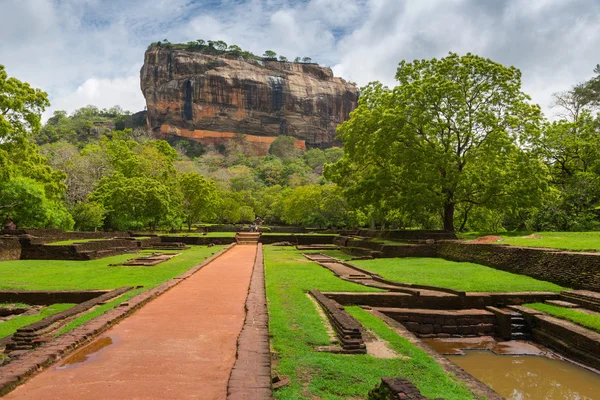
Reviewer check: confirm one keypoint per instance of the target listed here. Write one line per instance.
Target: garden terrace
(297, 330)
(543, 264)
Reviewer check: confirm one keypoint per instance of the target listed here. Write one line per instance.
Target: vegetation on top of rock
(219, 47)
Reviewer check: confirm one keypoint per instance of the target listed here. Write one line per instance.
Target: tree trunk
(373, 227)
(465, 218)
(449, 216)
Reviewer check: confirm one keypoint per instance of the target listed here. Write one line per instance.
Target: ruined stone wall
(57, 235)
(569, 269)
(10, 249)
(443, 324)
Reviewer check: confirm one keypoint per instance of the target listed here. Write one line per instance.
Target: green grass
(96, 312)
(296, 328)
(589, 321)
(96, 274)
(69, 242)
(9, 327)
(200, 234)
(578, 241)
(454, 275)
(387, 241)
(13, 305)
(340, 255)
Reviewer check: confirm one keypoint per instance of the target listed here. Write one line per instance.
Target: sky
(90, 51)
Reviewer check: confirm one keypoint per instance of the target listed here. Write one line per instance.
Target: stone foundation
(10, 248)
(442, 323)
(396, 389)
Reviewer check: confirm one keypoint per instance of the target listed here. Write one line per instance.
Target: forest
(456, 145)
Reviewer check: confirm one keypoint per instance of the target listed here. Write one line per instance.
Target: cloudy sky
(90, 51)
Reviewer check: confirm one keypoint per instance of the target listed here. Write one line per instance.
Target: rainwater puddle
(530, 377)
(87, 354)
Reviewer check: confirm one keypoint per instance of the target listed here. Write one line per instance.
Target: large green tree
(21, 107)
(199, 198)
(454, 134)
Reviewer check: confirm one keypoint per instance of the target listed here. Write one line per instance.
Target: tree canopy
(454, 135)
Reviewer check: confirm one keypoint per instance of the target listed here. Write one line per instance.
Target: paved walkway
(181, 345)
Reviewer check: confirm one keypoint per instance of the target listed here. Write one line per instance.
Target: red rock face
(210, 98)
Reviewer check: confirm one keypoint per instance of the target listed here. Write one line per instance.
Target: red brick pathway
(181, 345)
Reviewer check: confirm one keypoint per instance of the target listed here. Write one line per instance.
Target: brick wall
(10, 249)
(574, 341)
(440, 323)
(569, 269)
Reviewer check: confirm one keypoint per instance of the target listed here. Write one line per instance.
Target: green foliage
(31, 192)
(221, 48)
(21, 107)
(283, 147)
(199, 197)
(452, 137)
(133, 203)
(9, 327)
(88, 216)
(454, 275)
(587, 320)
(270, 55)
(85, 125)
(322, 206)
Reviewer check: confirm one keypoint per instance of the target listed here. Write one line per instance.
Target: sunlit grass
(296, 328)
(463, 276)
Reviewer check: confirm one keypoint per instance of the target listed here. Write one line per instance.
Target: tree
(314, 158)
(201, 42)
(234, 49)
(133, 203)
(220, 45)
(199, 197)
(21, 107)
(283, 147)
(283, 58)
(88, 216)
(297, 59)
(455, 133)
(306, 60)
(588, 93)
(24, 201)
(270, 55)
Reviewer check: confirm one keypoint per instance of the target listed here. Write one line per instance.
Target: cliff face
(211, 98)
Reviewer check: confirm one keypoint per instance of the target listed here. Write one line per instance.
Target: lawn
(96, 274)
(579, 241)
(9, 327)
(589, 321)
(296, 327)
(200, 234)
(454, 275)
(340, 255)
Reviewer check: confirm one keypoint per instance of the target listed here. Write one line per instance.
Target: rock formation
(211, 98)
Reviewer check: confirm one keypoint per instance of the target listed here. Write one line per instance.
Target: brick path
(251, 375)
(182, 345)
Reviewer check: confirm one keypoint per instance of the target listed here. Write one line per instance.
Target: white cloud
(103, 93)
(90, 51)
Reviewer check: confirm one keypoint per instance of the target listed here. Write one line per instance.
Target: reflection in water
(514, 347)
(87, 354)
(530, 377)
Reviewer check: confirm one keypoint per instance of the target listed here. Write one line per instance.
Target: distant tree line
(220, 47)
